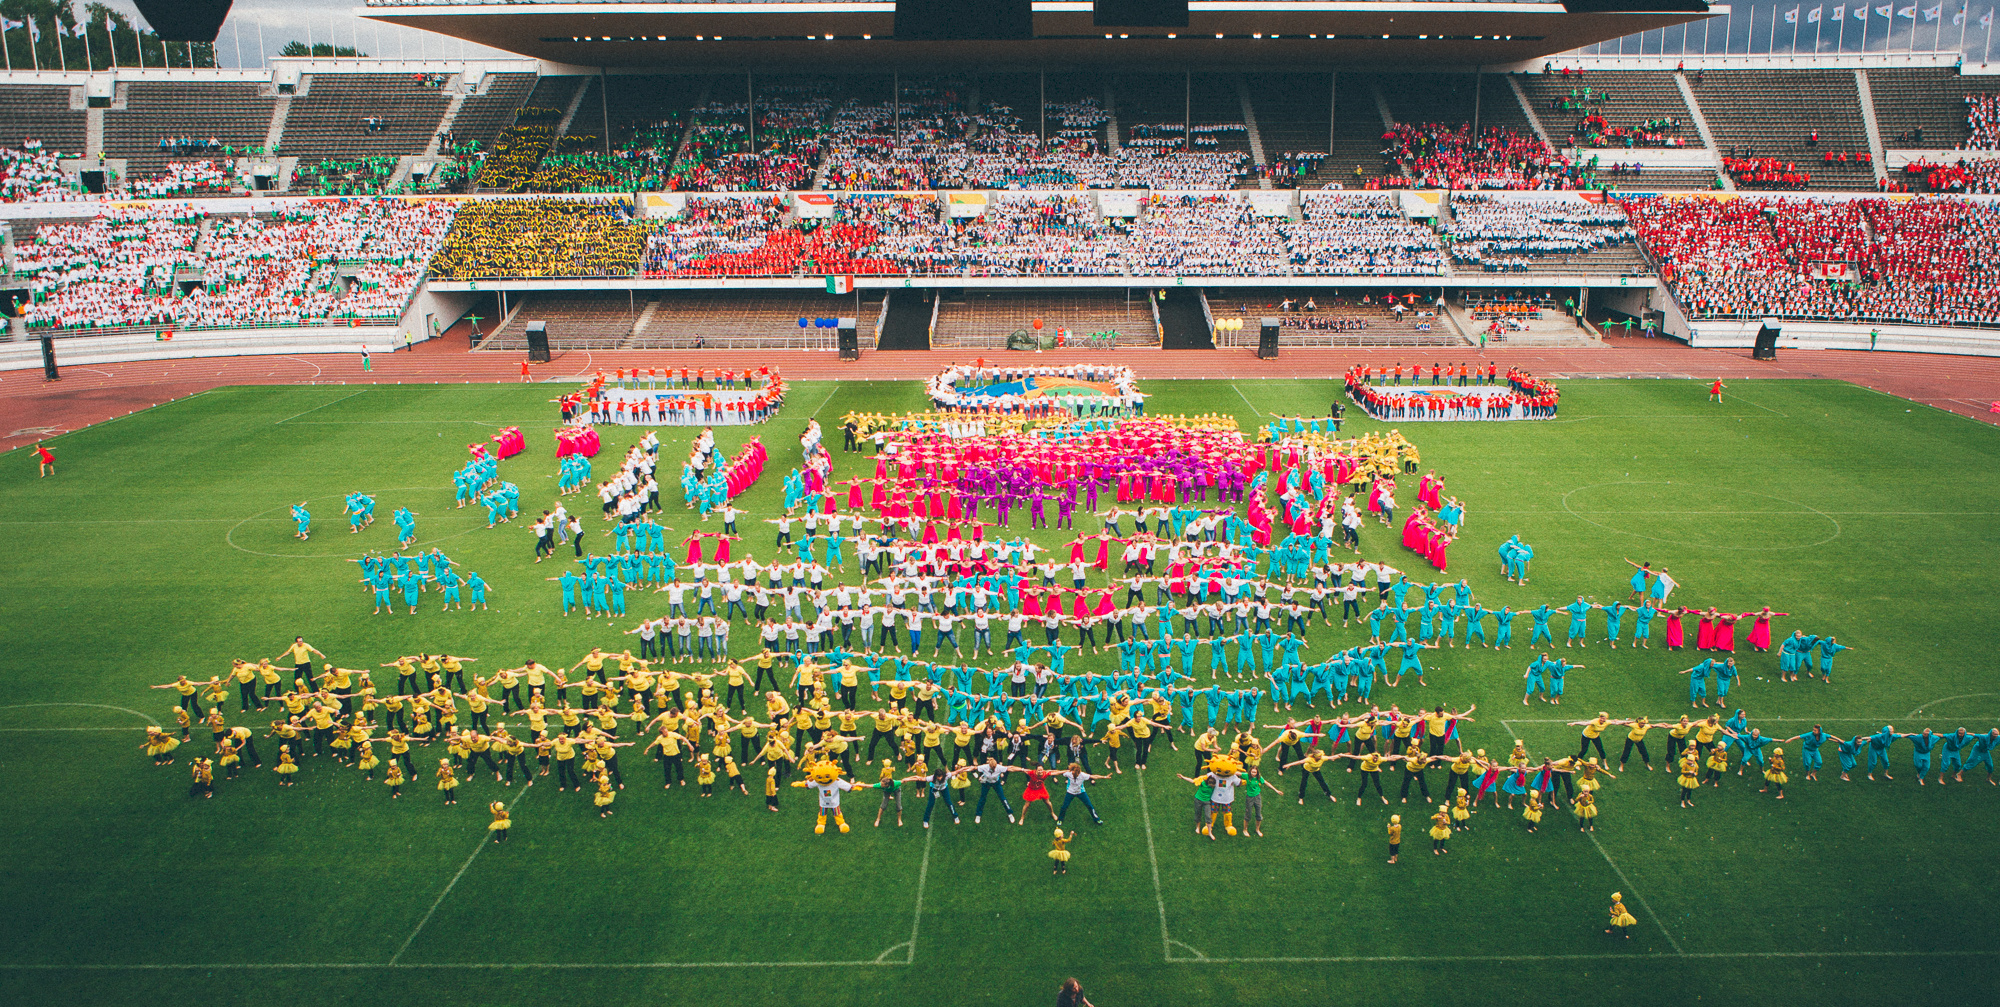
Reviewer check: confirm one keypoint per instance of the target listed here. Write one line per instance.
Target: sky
(1760, 26)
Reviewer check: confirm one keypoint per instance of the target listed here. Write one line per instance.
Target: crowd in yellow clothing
(541, 237)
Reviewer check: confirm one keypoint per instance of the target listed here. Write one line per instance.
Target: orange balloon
(1038, 325)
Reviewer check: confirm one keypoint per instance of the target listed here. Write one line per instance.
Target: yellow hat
(1395, 819)
(1615, 896)
(1058, 832)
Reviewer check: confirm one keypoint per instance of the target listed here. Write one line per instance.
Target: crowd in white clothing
(311, 263)
(30, 175)
(1982, 121)
(1219, 235)
(1360, 234)
(1503, 235)
(188, 178)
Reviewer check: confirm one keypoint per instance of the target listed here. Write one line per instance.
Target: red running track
(31, 408)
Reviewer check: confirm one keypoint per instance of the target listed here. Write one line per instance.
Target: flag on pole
(1812, 16)
(34, 30)
(1986, 20)
(1792, 16)
(1933, 13)
(7, 24)
(1841, 12)
(1908, 12)
(840, 284)
(1958, 18)
(1884, 11)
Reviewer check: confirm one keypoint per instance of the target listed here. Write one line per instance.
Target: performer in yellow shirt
(1440, 829)
(1061, 852)
(1621, 921)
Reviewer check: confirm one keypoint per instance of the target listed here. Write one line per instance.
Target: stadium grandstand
(702, 175)
(790, 336)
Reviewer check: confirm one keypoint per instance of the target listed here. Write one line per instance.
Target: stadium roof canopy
(809, 37)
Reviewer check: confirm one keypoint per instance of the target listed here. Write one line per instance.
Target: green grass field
(165, 547)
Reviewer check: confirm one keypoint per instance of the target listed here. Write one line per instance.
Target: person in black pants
(1309, 769)
(1414, 763)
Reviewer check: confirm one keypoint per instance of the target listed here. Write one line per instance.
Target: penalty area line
(1601, 956)
(317, 408)
(1385, 959)
(1615, 869)
(484, 841)
(1246, 400)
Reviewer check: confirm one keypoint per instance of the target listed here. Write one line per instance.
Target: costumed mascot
(825, 778)
(1226, 773)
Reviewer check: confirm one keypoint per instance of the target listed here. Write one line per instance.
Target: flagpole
(1989, 38)
(89, 61)
(1964, 15)
(7, 47)
(1796, 12)
(62, 50)
(1841, 46)
(1819, 28)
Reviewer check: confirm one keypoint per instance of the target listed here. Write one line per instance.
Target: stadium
(1153, 358)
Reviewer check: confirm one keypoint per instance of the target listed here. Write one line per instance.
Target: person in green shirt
(1202, 810)
(1253, 802)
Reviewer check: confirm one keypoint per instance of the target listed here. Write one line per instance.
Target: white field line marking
(1641, 896)
(484, 841)
(1246, 399)
(1153, 858)
(92, 706)
(1625, 881)
(1947, 699)
(1606, 956)
(35, 730)
(1771, 512)
(1782, 720)
(1760, 405)
(316, 408)
(251, 966)
(316, 369)
(917, 919)
(824, 401)
(1389, 959)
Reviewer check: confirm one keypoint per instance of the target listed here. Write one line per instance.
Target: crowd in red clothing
(1442, 156)
(1924, 261)
(1766, 173)
(1527, 397)
(1966, 176)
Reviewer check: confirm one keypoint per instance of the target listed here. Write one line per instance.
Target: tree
(61, 47)
(298, 48)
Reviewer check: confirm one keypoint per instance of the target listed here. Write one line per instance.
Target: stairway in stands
(908, 323)
(1183, 325)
